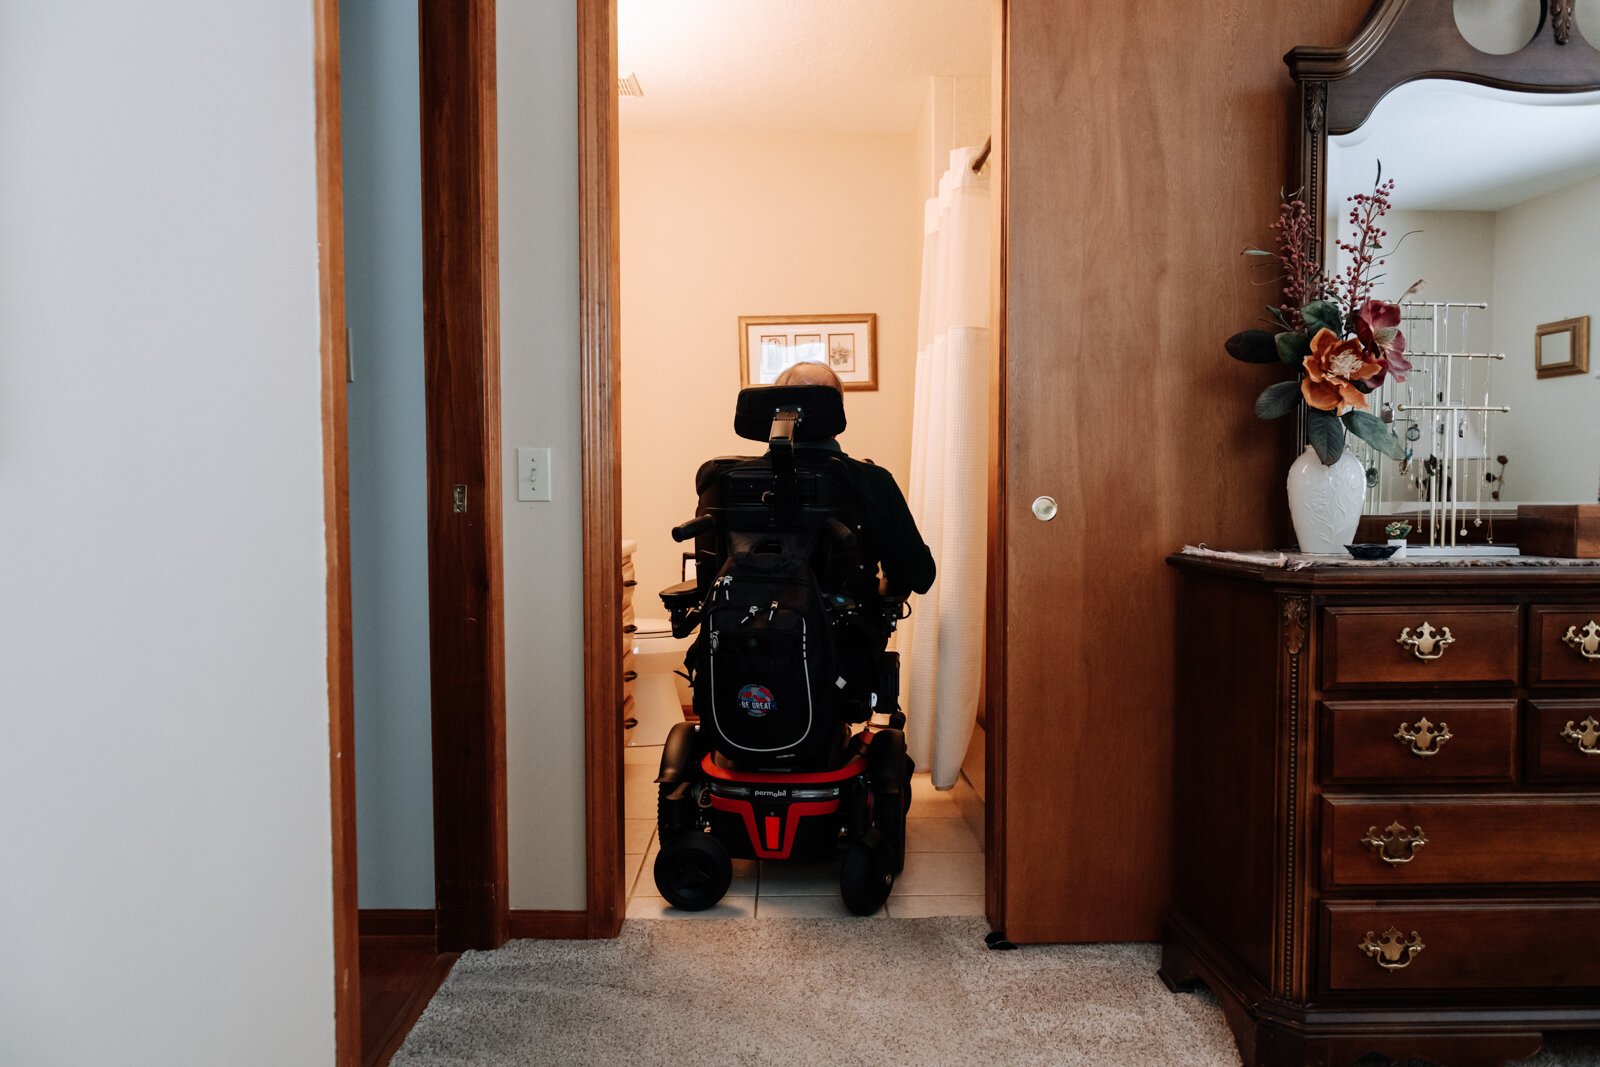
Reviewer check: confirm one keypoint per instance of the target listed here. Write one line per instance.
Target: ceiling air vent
(629, 86)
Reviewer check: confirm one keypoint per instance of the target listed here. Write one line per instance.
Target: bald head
(809, 373)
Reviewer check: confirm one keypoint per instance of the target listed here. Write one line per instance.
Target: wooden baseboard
(549, 925)
(396, 922)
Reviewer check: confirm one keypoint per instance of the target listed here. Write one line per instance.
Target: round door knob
(1044, 508)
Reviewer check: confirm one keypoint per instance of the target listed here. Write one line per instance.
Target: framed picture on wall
(769, 344)
(1561, 348)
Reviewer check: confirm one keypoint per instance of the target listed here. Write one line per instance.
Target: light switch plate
(533, 474)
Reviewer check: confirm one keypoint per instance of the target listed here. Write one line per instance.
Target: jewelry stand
(1441, 415)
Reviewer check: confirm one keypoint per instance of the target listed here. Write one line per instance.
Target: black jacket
(889, 534)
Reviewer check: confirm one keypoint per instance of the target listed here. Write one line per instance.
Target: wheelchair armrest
(892, 602)
(681, 597)
(682, 602)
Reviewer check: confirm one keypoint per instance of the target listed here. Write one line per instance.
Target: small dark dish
(1372, 551)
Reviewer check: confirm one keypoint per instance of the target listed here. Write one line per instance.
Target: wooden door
(1145, 147)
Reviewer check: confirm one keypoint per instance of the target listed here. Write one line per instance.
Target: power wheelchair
(800, 751)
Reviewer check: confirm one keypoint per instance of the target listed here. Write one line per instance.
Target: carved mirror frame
(1410, 40)
(1404, 41)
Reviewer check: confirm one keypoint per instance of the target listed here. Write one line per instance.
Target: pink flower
(1377, 327)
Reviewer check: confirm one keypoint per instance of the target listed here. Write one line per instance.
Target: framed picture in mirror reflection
(1561, 348)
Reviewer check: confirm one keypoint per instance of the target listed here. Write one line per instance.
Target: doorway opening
(805, 184)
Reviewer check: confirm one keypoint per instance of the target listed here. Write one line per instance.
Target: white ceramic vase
(1325, 502)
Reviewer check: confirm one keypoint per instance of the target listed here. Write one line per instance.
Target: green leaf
(1293, 346)
(1257, 252)
(1278, 400)
(1253, 346)
(1325, 433)
(1323, 314)
(1372, 430)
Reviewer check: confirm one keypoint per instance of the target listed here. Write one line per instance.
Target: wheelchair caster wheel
(693, 871)
(867, 875)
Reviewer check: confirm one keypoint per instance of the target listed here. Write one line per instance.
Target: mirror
(1492, 240)
(1496, 213)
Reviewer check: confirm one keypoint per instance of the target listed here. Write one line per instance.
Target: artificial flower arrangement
(1344, 342)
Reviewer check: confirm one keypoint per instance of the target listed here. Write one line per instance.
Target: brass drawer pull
(1585, 734)
(1397, 845)
(1394, 952)
(1423, 739)
(1585, 642)
(1427, 643)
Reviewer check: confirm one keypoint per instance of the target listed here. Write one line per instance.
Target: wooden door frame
(336, 534)
(600, 326)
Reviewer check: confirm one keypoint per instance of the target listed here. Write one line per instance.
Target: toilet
(659, 694)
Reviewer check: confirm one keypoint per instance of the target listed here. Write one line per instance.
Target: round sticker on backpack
(756, 701)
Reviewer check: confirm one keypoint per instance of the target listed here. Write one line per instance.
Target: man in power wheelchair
(790, 660)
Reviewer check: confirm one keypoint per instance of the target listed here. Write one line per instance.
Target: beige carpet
(822, 991)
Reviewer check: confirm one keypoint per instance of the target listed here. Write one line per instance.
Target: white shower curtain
(943, 640)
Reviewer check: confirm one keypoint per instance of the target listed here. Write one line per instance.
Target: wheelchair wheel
(693, 871)
(867, 874)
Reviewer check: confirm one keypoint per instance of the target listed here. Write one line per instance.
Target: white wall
(388, 454)
(538, 131)
(1544, 271)
(955, 114)
(719, 225)
(1453, 253)
(165, 896)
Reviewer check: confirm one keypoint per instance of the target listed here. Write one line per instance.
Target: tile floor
(943, 873)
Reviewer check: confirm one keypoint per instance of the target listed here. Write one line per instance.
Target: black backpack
(766, 672)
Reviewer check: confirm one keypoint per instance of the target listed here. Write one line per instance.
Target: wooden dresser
(1387, 815)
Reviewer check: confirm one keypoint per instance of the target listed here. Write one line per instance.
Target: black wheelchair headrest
(821, 410)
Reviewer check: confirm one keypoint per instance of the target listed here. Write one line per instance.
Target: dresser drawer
(1373, 842)
(1566, 645)
(1419, 741)
(1564, 740)
(1467, 945)
(1423, 645)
